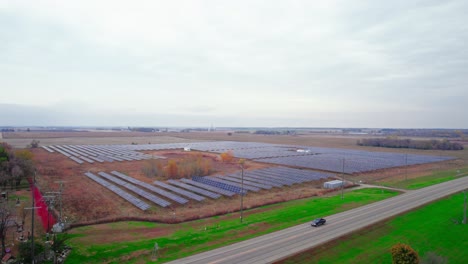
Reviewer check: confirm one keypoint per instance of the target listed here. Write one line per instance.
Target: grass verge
(432, 228)
(425, 181)
(197, 236)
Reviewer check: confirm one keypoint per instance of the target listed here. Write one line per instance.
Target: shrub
(404, 254)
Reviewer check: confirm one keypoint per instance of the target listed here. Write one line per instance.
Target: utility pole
(49, 199)
(406, 166)
(342, 178)
(60, 199)
(33, 187)
(242, 190)
(464, 209)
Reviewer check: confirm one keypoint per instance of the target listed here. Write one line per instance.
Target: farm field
(180, 240)
(86, 203)
(433, 228)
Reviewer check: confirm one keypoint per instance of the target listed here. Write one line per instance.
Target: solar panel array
(266, 179)
(180, 191)
(150, 187)
(228, 187)
(130, 198)
(136, 190)
(209, 187)
(195, 189)
(99, 153)
(326, 159)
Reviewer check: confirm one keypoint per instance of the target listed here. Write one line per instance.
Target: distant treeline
(445, 133)
(275, 132)
(409, 143)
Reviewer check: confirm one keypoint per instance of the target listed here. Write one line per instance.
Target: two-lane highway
(290, 241)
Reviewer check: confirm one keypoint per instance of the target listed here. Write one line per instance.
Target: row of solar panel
(90, 153)
(262, 179)
(130, 198)
(188, 188)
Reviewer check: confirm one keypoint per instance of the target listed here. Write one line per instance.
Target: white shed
(333, 184)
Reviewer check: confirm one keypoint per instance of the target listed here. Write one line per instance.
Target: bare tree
(7, 221)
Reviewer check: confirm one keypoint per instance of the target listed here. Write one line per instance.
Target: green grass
(191, 237)
(421, 182)
(432, 228)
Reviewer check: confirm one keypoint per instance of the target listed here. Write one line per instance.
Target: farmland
(270, 162)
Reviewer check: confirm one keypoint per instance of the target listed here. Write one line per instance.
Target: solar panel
(225, 186)
(48, 149)
(209, 187)
(150, 187)
(86, 159)
(77, 160)
(253, 178)
(245, 182)
(180, 191)
(195, 189)
(130, 198)
(136, 190)
(96, 159)
(246, 187)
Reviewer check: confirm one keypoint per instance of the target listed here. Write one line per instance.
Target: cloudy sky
(234, 63)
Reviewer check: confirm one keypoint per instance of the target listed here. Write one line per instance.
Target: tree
(171, 169)
(34, 144)
(6, 222)
(60, 242)
(14, 166)
(25, 251)
(404, 254)
(227, 156)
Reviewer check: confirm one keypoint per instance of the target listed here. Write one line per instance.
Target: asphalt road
(288, 242)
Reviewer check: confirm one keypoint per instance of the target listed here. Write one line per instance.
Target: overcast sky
(234, 63)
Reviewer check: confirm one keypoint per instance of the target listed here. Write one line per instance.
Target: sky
(377, 64)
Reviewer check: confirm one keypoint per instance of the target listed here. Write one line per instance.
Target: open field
(87, 203)
(179, 240)
(432, 228)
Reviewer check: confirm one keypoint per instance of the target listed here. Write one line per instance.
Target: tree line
(194, 165)
(15, 166)
(391, 142)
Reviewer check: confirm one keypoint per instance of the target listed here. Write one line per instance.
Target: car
(318, 222)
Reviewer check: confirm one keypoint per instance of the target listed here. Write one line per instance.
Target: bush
(404, 254)
(227, 156)
(34, 144)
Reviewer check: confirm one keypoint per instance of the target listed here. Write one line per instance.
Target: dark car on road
(318, 222)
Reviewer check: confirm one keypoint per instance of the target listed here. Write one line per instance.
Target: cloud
(270, 60)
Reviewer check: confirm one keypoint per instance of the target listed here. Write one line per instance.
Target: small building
(187, 149)
(333, 184)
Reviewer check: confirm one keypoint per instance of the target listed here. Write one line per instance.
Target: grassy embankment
(194, 237)
(432, 228)
(425, 181)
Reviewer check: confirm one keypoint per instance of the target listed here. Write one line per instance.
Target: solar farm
(284, 168)
(323, 159)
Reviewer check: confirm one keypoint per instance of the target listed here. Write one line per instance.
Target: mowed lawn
(197, 236)
(432, 228)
